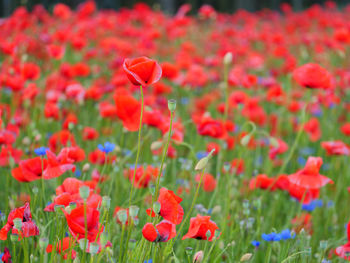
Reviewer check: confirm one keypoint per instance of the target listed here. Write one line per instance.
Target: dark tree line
(170, 6)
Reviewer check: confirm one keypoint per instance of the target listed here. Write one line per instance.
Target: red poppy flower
(90, 133)
(143, 176)
(312, 76)
(29, 227)
(199, 226)
(76, 223)
(212, 128)
(336, 148)
(63, 248)
(312, 127)
(344, 250)
(209, 182)
(29, 170)
(281, 148)
(345, 129)
(309, 176)
(142, 71)
(162, 232)
(170, 208)
(128, 110)
(6, 257)
(263, 182)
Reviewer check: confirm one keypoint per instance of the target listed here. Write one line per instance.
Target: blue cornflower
(77, 173)
(201, 155)
(271, 237)
(107, 148)
(301, 161)
(41, 151)
(287, 234)
(148, 261)
(255, 243)
(312, 205)
(184, 100)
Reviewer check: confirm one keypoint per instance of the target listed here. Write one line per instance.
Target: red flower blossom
(336, 148)
(63, 248)
(128, 110)
(212, 128)
(199, 226)
(312, 76)
(209, 182)
(142, 71)
(76, 223)
(29, 227)
(344, 250)
(143, 176)
(162, 232)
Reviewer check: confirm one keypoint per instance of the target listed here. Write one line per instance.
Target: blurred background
(170, 6)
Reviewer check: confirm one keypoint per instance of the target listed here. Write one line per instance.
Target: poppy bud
(133, 210)
(122, 216)
(106, 202)
(245, 140)
(274, 143)
(84, 192)
(246, 257)
(94, 248)
(228, 58)
(35, 190)
(152, 189)
(172, 105)
(198, 257)
(203, 162)
(83, 243)
(86, 167)
(156, 145)
(17, 223)
(156, 207)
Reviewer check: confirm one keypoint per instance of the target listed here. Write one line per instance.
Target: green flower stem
(138, 147)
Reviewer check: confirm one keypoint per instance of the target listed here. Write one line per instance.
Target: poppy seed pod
(84, 192)
(172, 105)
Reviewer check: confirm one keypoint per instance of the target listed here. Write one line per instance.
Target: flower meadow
(137, 136)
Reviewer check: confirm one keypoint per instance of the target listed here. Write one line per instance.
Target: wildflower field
(137, 136)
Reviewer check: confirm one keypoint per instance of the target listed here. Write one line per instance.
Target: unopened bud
(246, 257)
(198, 257)
(246, 139)
(86, 167)
(228, 58)
(156, 145)
(156, 207)
(274, 142)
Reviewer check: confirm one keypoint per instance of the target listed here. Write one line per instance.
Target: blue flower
(107, 148)
(184, 100)
(255, 243)
(301, 161)
(271, 237)
(287, 234)
(148, 261)
(201, 155)
(77, 173)
(312, 205)
(41, 151)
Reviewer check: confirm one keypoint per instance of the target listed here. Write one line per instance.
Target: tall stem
(138, 147)
(163, 158)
